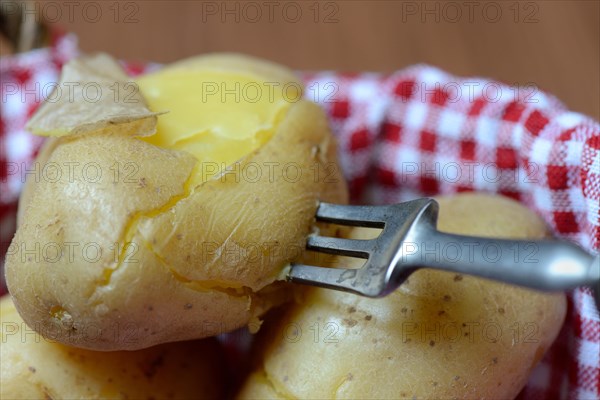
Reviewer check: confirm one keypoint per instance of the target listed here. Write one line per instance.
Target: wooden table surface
(552, 44)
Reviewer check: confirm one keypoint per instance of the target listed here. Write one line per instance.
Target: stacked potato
(440, 335)
(196, 214)
(36, 367)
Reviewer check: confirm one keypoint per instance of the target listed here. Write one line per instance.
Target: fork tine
(333, 278)
(377, 276)
(366, 216)
(348, 280)
(346, 247)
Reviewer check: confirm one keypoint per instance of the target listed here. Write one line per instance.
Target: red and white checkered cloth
(416, 132)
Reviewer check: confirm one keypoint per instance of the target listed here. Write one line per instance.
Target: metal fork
(409, 240)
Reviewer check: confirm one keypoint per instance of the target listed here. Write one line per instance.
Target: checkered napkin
(416, 132)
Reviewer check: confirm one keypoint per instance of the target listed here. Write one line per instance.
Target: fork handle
(550, 265)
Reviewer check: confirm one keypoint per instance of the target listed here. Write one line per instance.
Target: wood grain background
(552, 44)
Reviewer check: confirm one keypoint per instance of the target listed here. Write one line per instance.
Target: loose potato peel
(73, 108)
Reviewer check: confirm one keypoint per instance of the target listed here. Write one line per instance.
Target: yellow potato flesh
(218, 117)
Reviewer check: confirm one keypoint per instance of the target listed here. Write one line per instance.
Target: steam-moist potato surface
(439, 336)
(159, 242)
(33, 367)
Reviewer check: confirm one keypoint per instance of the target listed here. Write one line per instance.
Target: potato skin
(29, 185)
(175, 278)
(33, 367)
(440, 335)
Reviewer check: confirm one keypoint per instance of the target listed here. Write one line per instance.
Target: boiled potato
(439, 336)
(34, 367)
(180, 234)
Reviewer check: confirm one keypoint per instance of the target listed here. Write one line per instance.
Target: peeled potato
(33, 367)
(439, 336)
(152, 235)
